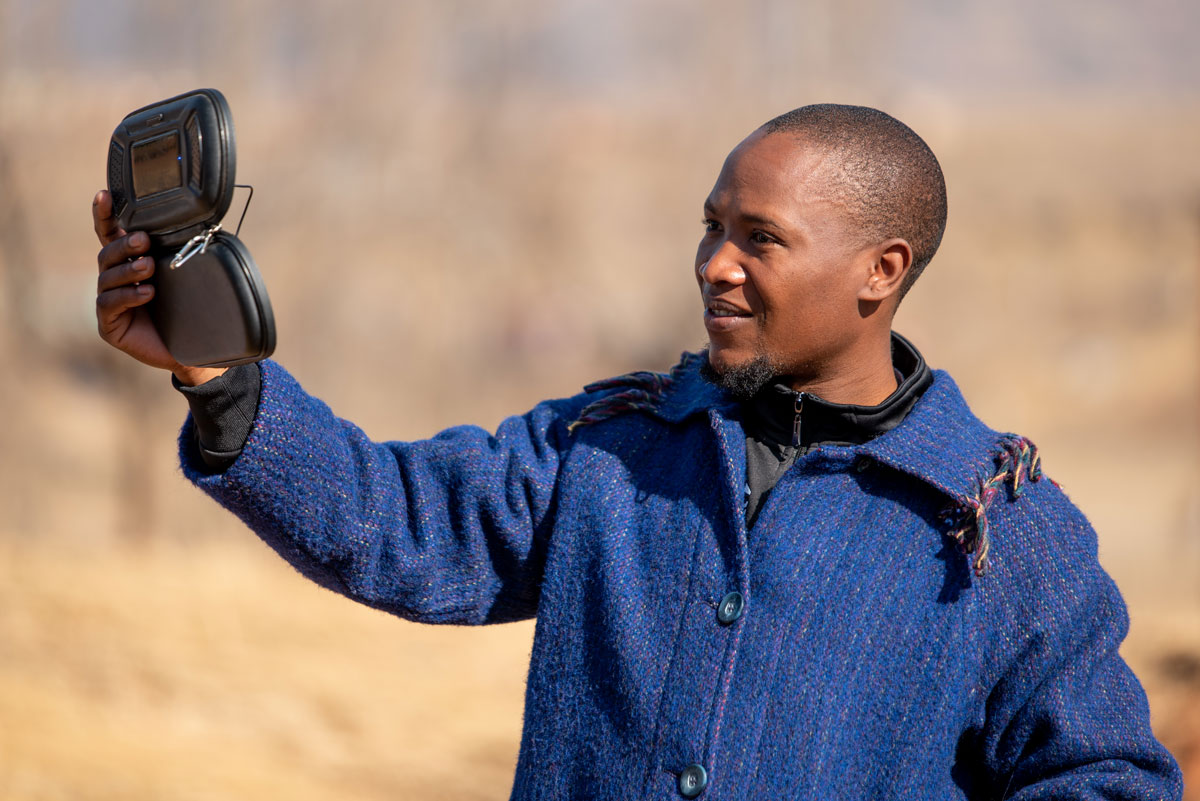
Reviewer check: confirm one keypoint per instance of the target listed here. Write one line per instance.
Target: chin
(722, 358)
(740, 377)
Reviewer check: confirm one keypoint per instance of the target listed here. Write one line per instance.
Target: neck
(863, 377)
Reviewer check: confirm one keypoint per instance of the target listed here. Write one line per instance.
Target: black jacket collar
(770, 415)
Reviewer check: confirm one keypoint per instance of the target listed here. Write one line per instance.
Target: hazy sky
(594, 45)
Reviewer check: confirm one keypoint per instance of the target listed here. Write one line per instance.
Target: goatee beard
(742, 381)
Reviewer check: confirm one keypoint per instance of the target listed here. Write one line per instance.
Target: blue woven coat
(921, 616)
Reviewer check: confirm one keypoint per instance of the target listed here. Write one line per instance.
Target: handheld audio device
(171, 168)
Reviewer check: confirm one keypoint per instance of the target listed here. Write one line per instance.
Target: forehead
(777, 172)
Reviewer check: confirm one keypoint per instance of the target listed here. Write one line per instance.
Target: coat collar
(941, 442)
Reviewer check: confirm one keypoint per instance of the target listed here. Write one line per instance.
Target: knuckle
(111, 299)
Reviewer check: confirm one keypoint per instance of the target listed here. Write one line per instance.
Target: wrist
(195, 376)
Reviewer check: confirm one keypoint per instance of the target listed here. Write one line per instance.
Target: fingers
(122, 249)
(113, 303)
(129, 272)
(103, 220)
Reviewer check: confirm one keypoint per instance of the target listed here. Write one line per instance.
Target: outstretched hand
(121, 315)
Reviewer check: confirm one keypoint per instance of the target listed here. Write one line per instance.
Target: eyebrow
(756, 219)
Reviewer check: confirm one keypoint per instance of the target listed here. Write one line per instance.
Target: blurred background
(465, 207)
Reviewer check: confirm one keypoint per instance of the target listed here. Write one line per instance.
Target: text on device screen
(157, 165)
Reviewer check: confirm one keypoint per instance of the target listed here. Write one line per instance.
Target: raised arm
(451, 529)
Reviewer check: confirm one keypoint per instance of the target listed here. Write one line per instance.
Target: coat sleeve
(1069, 720)
(451, 529)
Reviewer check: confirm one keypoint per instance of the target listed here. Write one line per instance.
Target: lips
(721, 316)
(715, 307)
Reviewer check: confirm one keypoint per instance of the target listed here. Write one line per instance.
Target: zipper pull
(796, 422)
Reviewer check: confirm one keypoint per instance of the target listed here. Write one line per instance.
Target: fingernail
(144, 290)
(142, 265)
(138, 240)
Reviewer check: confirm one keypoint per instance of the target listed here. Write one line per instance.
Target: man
(795, 566)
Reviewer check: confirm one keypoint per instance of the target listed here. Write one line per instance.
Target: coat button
(692, 780)
(730, 608)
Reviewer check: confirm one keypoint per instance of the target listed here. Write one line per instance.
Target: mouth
(721, 316)
(715, 307)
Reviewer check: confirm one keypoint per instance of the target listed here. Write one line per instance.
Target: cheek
(811, 307)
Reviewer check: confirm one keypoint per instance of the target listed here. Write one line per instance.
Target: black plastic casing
(213, 310)
(208, 163)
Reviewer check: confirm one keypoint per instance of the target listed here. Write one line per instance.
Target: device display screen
(157, 165)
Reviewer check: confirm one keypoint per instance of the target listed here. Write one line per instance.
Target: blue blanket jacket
(921, 616)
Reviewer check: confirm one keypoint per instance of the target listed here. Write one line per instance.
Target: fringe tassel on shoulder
(643, 390)
(1017, 463)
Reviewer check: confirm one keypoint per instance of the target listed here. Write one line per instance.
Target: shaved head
(883, 173)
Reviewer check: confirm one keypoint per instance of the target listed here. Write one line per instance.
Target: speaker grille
(116, 180)
(193, 136)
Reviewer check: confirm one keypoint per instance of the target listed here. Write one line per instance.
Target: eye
(762, 238)
(711, 226)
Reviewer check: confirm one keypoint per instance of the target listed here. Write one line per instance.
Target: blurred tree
(18, 278)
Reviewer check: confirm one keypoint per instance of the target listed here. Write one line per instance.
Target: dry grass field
(448, 236)
(210, 672)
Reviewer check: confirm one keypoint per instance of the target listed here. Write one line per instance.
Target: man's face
(779, 265)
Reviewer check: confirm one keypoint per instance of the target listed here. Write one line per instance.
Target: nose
(723, 267)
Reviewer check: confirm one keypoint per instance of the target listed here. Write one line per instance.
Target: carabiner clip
(197, 244)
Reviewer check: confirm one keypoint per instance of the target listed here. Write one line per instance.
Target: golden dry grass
(213, 672)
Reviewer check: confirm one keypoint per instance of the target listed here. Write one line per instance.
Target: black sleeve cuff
(223, 411)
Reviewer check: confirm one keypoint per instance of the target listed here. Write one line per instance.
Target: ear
(893, 258)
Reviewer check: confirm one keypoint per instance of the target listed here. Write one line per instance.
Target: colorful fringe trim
(1017, 463)
(639, 391)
